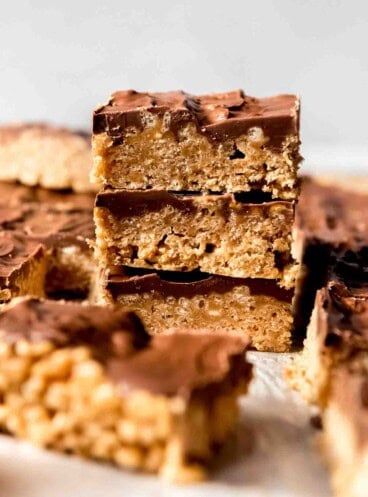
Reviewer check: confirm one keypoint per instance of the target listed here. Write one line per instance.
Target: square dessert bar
(332, 371)
(22, 266)
(89, 380)
(219, 234)
(337, 332)
(59, 225)
(167, 300)
(331, 216)
(45, 155)
(225, 142)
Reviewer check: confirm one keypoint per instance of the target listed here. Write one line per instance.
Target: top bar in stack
(225, 142)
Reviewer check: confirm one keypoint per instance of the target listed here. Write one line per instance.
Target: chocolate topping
(9, 215)
(170, 365)
(67, 324)
(350, 268)
(331, 215)
(330, 221)
(178, 364)
(58, 228)
(125, 203)
(342, 319)
(15, 249)
(218, 116)
(52, 218)
(179, 285)
(13, 195)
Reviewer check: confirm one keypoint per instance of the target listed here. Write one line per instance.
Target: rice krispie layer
(220, 234)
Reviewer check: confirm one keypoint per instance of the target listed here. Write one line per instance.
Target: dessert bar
(22, 266)
(168, 300)
(332, 371)
(89, 380)
(228, 234)
(225, 142)
(337, 331)
(45, 155)
(59, 223)
(330, 217)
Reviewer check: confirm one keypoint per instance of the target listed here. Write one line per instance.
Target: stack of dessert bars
(194, 218)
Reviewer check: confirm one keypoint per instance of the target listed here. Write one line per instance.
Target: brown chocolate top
(13, 194)
(219, 116)
(15, 250)
(342, 304)
(342, 319)
(350, 269)
(169, 365)
(125, 203)
(180, 363)
(57, 228)
(64, 324)
(53, 218)
(331, 215)
(126, 280)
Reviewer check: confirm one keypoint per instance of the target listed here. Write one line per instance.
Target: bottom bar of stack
(166, 300)
(89, 380)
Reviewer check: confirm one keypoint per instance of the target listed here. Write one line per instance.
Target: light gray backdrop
(59, 59)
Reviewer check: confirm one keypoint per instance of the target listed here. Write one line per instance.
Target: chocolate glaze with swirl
(51, 218)
(34, 220)
(15, 249)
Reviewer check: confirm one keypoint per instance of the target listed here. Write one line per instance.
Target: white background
(58, 60)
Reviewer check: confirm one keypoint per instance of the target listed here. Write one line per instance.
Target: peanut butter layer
(62, 223)
(166, 301)
(45, 155)
(225, 142)
(89, 380)
(218, 234)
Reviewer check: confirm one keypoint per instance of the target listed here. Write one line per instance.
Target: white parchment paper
(275, 455)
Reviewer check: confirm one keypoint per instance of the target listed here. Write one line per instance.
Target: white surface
(58, 60)
(278, 459)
